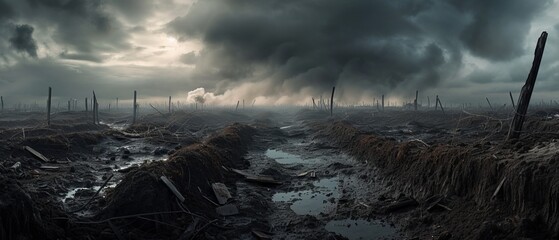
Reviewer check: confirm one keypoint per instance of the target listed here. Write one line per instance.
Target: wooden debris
(48, 167)
(36, 154)
(445, 207)
(499, 188)
(221, 192)
(190, 230)
(227, 210)
(263, 179)
(261, 234)
(16, 165)
(401, 205)
(253, 178)
(172, 188)
(303, 174)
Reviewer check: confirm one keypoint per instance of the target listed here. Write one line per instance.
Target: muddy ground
(290, 173)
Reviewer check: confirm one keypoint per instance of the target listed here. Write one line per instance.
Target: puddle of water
(287, 158)
(72, 192)
(361, 229)
(322, 198)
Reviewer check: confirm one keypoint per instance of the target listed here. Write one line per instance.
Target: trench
(323, 194)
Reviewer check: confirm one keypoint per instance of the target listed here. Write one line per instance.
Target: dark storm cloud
(363, 43)
(497, 28)
(23, 41)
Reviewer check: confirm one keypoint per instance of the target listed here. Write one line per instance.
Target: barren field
(279, 174)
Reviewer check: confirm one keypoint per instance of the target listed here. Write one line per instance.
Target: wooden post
(169, 104)
(93, 104)
(48, 106)
(512, 100)
(332, 101)
(236, 108)
(436, 102)
(415, 101)
(383, 102)
(440, 103)
(68, 105)
(85, 104)
(313, 104)
(526, 92)
(488, 102)
(2, 101)
(135, 108)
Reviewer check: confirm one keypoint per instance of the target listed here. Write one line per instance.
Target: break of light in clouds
(277, 52)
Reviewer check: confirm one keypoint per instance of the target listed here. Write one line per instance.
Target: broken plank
(240, 172)
(261, 234)
(36, 154)
(499, 188)
(263, 179)
(47, 167)
(227, 210)
(172, 188)
(401, 205)
(221, 192)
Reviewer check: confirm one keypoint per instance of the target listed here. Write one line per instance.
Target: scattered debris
(261, 234)
(36, 154)
(172, 188)
(227, 210)
(221, 192)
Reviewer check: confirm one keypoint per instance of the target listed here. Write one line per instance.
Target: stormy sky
(275, 52)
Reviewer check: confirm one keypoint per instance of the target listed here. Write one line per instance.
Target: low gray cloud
(23, 41)
(188, 58)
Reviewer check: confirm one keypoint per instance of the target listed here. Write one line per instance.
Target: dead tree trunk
(436, 102)
(169, 104)
(526, 92)
(135, 109)
(332, 101)
(2, 101)
(415, 101)
(237, 107)
(85, 104)
(512, 100)
(48, 106)
(428, 102)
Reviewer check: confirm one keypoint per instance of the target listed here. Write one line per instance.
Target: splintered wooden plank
(221, 192)
(47, 167)
(227, 210)
(36, 154)
(172, 188)
(263, 179)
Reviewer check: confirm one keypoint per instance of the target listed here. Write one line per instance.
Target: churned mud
(288, 174)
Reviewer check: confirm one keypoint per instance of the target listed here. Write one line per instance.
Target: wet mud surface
(289, 175)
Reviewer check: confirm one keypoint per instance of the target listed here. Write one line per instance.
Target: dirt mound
(19, 218)
(471, 172)
(192, 169)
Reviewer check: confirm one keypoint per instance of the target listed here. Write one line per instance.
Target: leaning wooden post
(48, 106)
(415, 101)
(440, 103)
(488, 102)
(169, 104)
(332, 101)
(313, 104)
(526, 92)
(236, 108)
(135, 109)
(512, 100)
